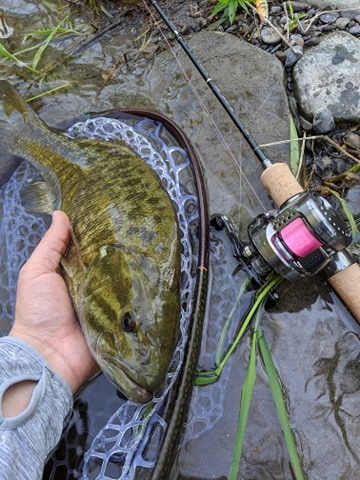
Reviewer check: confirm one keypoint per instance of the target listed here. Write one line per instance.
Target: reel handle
(346, 285)
(281, 184)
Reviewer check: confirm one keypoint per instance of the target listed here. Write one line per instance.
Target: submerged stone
(253, 83)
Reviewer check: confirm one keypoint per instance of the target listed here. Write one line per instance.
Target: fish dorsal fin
(12, 106)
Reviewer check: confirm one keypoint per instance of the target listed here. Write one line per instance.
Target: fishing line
(204, 107)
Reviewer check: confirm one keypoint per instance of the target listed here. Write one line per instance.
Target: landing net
(131, 437)
(109, 437)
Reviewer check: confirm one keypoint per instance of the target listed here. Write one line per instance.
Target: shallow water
(314, 341)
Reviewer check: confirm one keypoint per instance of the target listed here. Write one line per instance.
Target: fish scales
(123, 266)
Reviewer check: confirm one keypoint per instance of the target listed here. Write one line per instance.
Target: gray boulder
(328, 75)
(334, 3)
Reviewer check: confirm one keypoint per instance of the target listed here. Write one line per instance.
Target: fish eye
(128, 322)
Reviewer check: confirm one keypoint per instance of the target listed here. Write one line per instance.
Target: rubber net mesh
(110, 437)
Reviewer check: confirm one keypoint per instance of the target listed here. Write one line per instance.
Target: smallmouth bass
(123, 267)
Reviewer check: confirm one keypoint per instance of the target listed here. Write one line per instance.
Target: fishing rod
(306, 234)
(213, 87)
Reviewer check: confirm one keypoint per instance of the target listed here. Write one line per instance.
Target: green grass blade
(6, 54)
(246, 396)
(47, 31)
(38, 55)
(221, 5)
(233, 5)
(227, 323)
(294, 148)
(206, 378)
(262, 294)
(279, 401)
(29, 49)
(49, 92)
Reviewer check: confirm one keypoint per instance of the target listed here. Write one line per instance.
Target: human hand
(44, 316)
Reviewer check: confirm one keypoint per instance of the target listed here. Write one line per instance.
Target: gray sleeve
(27, 439)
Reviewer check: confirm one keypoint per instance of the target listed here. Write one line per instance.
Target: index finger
(47, 255)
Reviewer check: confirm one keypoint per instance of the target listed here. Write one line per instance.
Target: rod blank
(214, 88)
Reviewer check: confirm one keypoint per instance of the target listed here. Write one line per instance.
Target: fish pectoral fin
(38, 198)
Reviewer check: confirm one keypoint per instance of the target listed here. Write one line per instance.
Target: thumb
(47, 255)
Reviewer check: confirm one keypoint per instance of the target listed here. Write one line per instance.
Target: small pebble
(270, 36)
(299, 6)
(352, 14)
(328, 28)
(292, 55)
(295, 37)
(311, 13)
(341, 23)
(244, 29)
(329, 18)
(324, 165)
(355, 30)
(280, 56)
(275, 10)
(312, 41)
(323, 121)
(184, 29)
(231, 29)
(306, 125)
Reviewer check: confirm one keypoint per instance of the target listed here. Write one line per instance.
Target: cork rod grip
(280, 183)
(346, 284)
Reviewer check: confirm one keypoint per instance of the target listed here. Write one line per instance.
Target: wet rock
(355, 30)
(328, 75)
(352, 14)
(323, 121)
(274, 10)
(270, 36)
(299, 6)
(297, 39)
(292, 55)
(306, 125)
(353, 199)
(329, 17)
(334, 3)
(352, 141)
(253, 83)
(312, 41)
(341, 23)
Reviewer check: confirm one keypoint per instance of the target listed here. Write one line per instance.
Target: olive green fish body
(123, 266)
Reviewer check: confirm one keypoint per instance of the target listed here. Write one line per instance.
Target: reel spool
(298, 240)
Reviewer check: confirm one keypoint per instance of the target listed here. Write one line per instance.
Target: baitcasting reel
(304, 236)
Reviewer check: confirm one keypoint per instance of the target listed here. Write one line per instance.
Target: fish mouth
(124, 382)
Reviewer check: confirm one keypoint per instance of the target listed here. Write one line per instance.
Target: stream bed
(313, 339)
